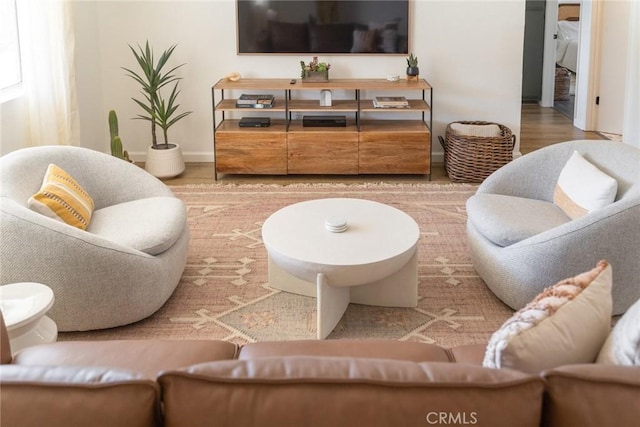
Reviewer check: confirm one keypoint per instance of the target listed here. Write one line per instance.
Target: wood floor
(539, 127)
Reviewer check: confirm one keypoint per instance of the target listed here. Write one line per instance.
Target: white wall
(614, 50)
(470, 51)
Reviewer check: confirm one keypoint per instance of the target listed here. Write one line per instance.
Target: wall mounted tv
(323, 26)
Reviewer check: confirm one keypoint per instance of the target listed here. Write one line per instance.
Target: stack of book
(255, 101)
(390, 102)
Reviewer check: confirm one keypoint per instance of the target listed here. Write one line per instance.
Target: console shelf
(374, 140)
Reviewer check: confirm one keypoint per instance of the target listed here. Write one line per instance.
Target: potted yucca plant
(164, 159)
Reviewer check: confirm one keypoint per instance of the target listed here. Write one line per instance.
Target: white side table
(24, 306)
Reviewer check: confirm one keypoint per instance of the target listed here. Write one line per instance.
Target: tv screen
(323, 26)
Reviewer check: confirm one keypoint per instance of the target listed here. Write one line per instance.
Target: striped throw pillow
(62, 198)
(582, 187)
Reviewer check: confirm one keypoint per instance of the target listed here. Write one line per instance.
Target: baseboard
(191, 157)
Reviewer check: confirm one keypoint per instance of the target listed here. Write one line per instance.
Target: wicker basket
(473, 158)
(563, 84)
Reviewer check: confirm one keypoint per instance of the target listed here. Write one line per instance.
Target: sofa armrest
(532, 176)
(79, 396)
(107, 179)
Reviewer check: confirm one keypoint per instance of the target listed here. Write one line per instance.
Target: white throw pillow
(582, 187)
(567, 323)
(622, 346)
(486, 131)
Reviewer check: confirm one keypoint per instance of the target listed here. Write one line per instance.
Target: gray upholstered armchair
(520, 242)
(123, 268)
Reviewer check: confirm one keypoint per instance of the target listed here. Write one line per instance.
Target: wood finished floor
(540, 127)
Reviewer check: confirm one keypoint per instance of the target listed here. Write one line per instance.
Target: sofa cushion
(505, 220)
(77, 396)
(341, 391)
(374, 349)
(62, 198)
(567, 323)
(592, 396)
(622, 346)
(150, 225)
(582, 187)
(136, 355)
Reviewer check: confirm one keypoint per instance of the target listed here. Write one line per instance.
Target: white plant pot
(164, 163)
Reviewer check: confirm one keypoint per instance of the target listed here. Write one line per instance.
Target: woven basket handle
(442, 142)
(513, 141)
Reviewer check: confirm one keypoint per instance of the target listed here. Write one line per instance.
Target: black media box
(324, 121)
(255, 122)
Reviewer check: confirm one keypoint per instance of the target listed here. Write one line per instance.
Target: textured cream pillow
(567, 323)
(62, 198)
(488, 131)
(582, 187)
(622, 346)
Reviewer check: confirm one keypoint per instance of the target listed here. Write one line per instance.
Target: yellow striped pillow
(62, 198)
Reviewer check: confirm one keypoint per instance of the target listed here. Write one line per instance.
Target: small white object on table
(23, 307)
(341, 251)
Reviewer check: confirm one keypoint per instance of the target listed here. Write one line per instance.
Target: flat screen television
(323, 26)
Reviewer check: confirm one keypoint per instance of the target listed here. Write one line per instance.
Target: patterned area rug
(224, 292)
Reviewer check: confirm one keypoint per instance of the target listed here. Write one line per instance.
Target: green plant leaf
(152, 78)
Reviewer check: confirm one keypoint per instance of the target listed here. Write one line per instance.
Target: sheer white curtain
(48, 49)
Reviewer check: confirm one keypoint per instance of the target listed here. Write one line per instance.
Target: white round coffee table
(23, 307)
(372, 262)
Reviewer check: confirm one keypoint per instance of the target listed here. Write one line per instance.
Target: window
(10, 71)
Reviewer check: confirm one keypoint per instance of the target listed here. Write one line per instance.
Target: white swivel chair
(120, 270)
(520, 242)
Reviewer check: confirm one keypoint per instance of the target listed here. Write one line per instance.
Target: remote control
(292, 82)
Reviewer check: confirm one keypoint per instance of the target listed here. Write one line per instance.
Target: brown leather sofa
(299, 383)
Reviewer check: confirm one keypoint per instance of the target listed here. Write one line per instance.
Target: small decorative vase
(325, 98)
(316, 76)
(413, 73)
(163, 161)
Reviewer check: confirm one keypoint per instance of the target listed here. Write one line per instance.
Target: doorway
(566, 60)
(602, 66)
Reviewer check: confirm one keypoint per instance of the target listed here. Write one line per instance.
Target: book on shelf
(254, 105)
(390, 102)
(246, 99)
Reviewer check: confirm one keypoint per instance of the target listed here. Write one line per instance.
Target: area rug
(224, 292)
